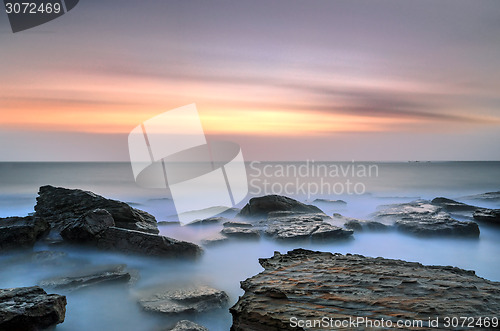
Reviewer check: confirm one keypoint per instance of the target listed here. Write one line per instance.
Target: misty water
(113, 307)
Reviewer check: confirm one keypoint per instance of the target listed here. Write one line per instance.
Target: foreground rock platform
(60, 206)
(30, 309)
(309, 285)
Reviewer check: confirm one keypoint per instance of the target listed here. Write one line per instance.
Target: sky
(288, 80)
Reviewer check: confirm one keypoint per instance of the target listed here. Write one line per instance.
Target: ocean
(364, 186)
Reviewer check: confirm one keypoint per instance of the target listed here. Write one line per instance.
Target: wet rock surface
(261, 206)
(21, 232)
(30, 309)
(308, 285)
(88, 226)
(89, 276)
(304, 227)
(423, 218)
(487, 215)
(130, 241)
(182, 299)
(61, 206)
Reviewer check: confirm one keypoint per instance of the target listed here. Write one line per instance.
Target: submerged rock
(240, 232)
(130, 241)
(261, 206)
(186, 325)
(88, 226)
(176, 300)
(208, 221)
(62, 206)
(487, 215)
(89, 276)
(304, 227)
(21, 232)
(234, 224)
(423, 218)
(488, 196)
(30, 309)
(305, 285)
(215, 240)
(331, 202)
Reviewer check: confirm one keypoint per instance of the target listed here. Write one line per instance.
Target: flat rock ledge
(309, 285)
(30, 309)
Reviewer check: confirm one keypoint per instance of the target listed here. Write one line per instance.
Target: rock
(452, 205)
(304, 227)
(331, 202)
(88, 226)
(30, 309)
(487, 215)
(261, 206)
(306, 285)
(423, 218)
(234, 224)
(176, 300)
(240, 232)
(186, 325)
(361, 225)
(489, 197)
(88, 276)
(21, 232)
(60, 206)
(208, 221)
(215, 240)
(130, 241)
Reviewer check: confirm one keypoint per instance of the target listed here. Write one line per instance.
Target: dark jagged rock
(89, 276)
(130, 241)
(487, 215)
(452, 205)
(261, 206)
(88, 226)
(208, 221)
(240, 232)
(304, 227)
(30, 309)
(306, 285)
(186, 325)
(61, 206)
(423, 218)
(176, 300)
(21, 232)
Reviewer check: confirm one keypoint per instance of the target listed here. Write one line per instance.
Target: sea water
(114, 307)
